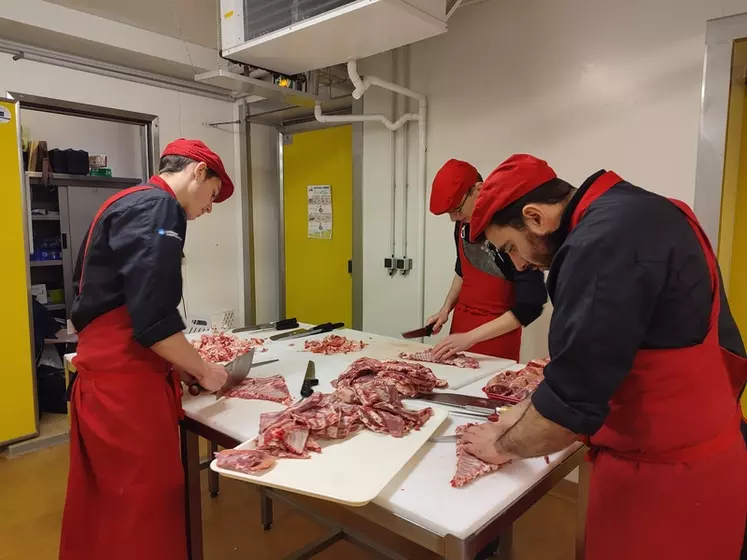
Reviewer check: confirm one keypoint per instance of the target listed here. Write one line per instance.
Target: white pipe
(393, 233)
(423, 192)
(361, 85)
(363, 118)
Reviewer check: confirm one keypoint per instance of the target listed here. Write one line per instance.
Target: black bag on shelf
(50, 386)
(58, 161)
(77, 161)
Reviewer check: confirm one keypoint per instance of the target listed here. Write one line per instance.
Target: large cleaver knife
(419, 333)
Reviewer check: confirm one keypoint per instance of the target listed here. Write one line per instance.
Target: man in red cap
(646, 361)
(125, 495)
(490, 308)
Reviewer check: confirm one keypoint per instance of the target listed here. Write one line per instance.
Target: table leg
(212, 475)
(190, 447)
(265, 504)
(584, 477)
(506, 546)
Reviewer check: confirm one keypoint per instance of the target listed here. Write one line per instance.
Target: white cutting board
(352, 471)
(385, 348)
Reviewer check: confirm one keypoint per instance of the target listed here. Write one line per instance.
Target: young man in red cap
(646, 361)
(125, 495)
(489, 309)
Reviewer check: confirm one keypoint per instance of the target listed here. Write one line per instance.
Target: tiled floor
(32, 491)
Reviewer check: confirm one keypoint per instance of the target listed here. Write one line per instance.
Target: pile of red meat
(458, 360)
(334, 344)
(468, 466)
(368, 395)
(272, 389)
(221, 347)
(517, 385)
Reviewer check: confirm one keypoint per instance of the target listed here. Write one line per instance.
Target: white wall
(266, 216)
(585, 84)
(213, 277)
(120, 142)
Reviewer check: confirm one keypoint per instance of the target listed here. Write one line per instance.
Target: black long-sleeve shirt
(529, 285)
(134, 259)
(631, 276)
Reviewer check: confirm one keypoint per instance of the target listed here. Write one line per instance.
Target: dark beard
(544, 248)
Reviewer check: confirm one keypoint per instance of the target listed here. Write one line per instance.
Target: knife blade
(319, 329)
(195, 389)
(238, 369)
(283, 336)
(281, 325)
(453, 438)
(419, 333)
(474, 404)
(309, 380)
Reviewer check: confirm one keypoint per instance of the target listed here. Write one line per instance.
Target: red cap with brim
(199, 152)
(450, 185)
(517, 176)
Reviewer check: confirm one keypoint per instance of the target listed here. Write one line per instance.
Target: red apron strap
(597, 189)
(111, 200)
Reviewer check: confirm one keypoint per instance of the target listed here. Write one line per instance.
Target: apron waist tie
(687, 454)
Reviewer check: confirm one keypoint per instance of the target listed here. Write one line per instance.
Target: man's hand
(453, 344)
(213, 377)
(481, 441)
(438, 320)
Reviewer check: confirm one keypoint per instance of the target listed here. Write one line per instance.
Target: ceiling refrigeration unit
(295, 36)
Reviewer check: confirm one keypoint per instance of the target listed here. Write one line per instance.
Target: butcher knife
(283, 325)
(309, 380)
(195, 389)
(419, 333)
(238, 369)
(453, 438)
(319, 329)
(477, 406)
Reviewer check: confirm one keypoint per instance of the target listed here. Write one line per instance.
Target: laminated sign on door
(320, 211)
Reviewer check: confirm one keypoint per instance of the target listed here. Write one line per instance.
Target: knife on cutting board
(282, 325)
(323, 328)
(309, 380)
(477, 406)
(419, 333)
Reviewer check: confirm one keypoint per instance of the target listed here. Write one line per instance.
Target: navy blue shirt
(134, 259)
(631, 276)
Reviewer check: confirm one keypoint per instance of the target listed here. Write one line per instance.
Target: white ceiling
(198, 18)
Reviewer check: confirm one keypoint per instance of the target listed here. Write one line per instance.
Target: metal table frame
(448, 546)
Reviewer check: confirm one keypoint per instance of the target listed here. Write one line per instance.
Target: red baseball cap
(517, 176)
(199, 152)
(450, 185)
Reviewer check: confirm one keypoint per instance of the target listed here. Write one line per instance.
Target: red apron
(484, 297)
(669, 476)
(125, 494)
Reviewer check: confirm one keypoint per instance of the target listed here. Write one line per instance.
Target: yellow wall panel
(17, 401)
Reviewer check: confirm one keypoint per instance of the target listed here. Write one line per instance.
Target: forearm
(497, 327)
(177, 350)
(533, 435)
(453, 295)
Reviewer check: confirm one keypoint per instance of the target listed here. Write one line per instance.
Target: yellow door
(318, 286)
(17, 402)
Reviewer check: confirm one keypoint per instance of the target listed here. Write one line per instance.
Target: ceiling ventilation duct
(295, 36)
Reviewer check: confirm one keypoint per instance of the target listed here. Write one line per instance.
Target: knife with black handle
(319, 329)
(282, 325)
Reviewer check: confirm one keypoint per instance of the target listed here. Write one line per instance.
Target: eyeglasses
(458, 209)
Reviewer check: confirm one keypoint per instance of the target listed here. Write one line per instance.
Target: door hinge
(350, 267)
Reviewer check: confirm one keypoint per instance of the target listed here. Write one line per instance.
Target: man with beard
(646, 361)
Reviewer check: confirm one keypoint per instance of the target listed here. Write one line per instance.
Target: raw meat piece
(222, 348)
(458, 360)
(517, 385)
(247, 461)
(262, 388)
(409, 379)
(334, 344)
(468, 466)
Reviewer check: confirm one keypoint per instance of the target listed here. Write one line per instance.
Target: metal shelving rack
(73, 201)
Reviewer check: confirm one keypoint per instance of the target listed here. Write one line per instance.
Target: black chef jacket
(529, 285)
(631, 276)
(134, 259)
